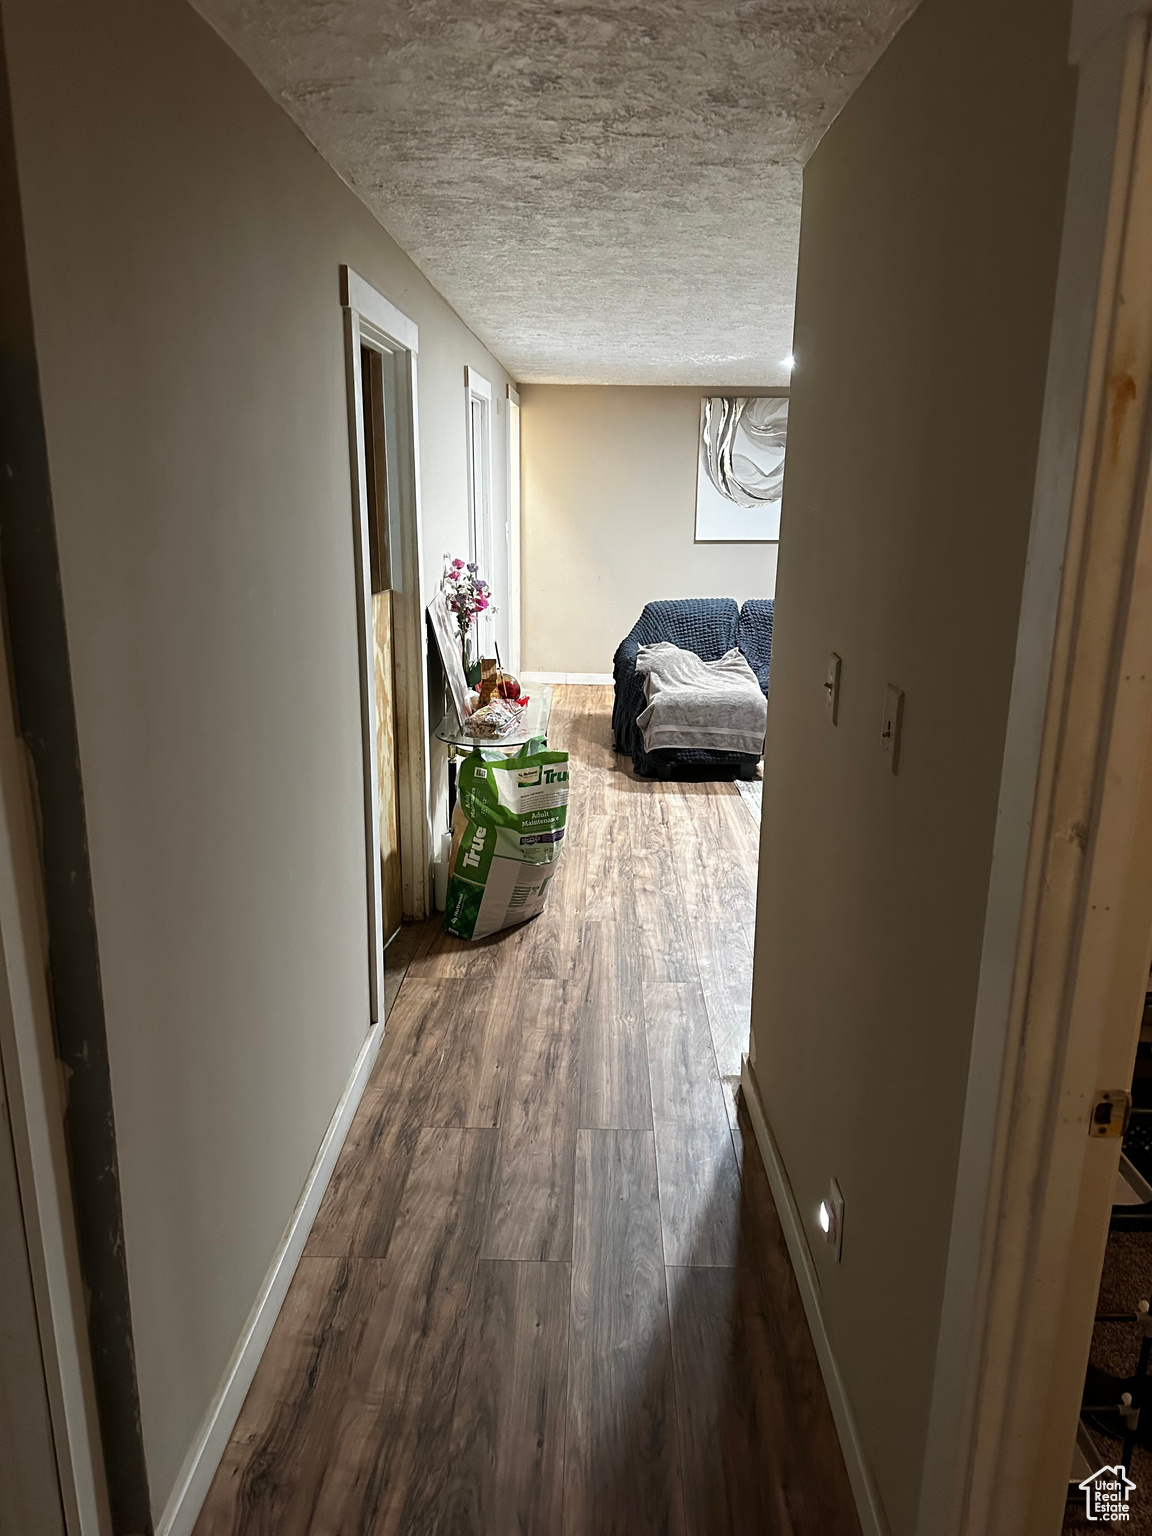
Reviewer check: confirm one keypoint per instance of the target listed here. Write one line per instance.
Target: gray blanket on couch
(713, 705)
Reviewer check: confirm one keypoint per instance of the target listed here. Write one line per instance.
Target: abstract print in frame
(740, 472)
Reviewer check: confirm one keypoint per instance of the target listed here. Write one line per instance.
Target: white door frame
(512, 526)
(1065, 956)
(31, 1069)
(481, 520)
(371, 320)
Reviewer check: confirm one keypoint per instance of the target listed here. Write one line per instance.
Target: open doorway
(52, 1470)
(29, 1482)
(374, 447)
(381, 348)
(1064, 971)
(1115, 1427)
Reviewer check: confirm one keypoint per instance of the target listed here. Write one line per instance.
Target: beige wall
(928, 255)
(185, 244)
(609, 507)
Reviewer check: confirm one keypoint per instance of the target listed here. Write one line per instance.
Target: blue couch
(710, 626)
(754, 637)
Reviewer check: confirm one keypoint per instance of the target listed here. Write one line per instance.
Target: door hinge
(1111, 1112)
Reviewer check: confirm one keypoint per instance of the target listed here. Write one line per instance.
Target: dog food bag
(507, 833)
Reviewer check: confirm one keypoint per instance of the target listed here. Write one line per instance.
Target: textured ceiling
(606, 192)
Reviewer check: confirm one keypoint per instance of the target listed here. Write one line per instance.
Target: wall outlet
(830, 1218)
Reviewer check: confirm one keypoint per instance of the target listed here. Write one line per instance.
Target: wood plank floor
(547, 1293)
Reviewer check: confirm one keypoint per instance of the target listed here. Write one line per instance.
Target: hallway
(547, 1290)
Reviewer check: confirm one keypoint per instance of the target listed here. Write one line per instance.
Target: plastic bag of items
(507, 833)
(493, 720)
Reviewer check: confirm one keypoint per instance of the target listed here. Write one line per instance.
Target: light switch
(832, 687)
(890, 729)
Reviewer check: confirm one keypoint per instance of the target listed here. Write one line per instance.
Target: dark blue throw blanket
(754, 636)
(710, 626)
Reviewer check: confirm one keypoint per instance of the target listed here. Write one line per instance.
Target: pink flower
(466, 594)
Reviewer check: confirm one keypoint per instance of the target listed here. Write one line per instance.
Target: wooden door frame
(36, 1110)
(371, 320)
(1069, 917)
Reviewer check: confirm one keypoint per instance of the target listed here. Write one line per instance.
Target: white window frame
(481, 540)
(512, 527)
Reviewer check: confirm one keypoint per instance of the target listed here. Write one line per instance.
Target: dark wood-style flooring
(547, 1291)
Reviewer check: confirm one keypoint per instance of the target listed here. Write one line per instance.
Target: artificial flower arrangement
(499, 704)
(468, 597)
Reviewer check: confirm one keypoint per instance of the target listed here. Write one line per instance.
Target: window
(481, 545)
(512, 527)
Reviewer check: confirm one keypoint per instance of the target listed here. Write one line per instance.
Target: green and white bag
(507, 833)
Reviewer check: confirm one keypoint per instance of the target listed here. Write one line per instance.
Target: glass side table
(534, 723)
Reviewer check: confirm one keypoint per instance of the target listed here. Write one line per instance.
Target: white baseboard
(187, 1497)
(873, 1521)
(601, 678)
